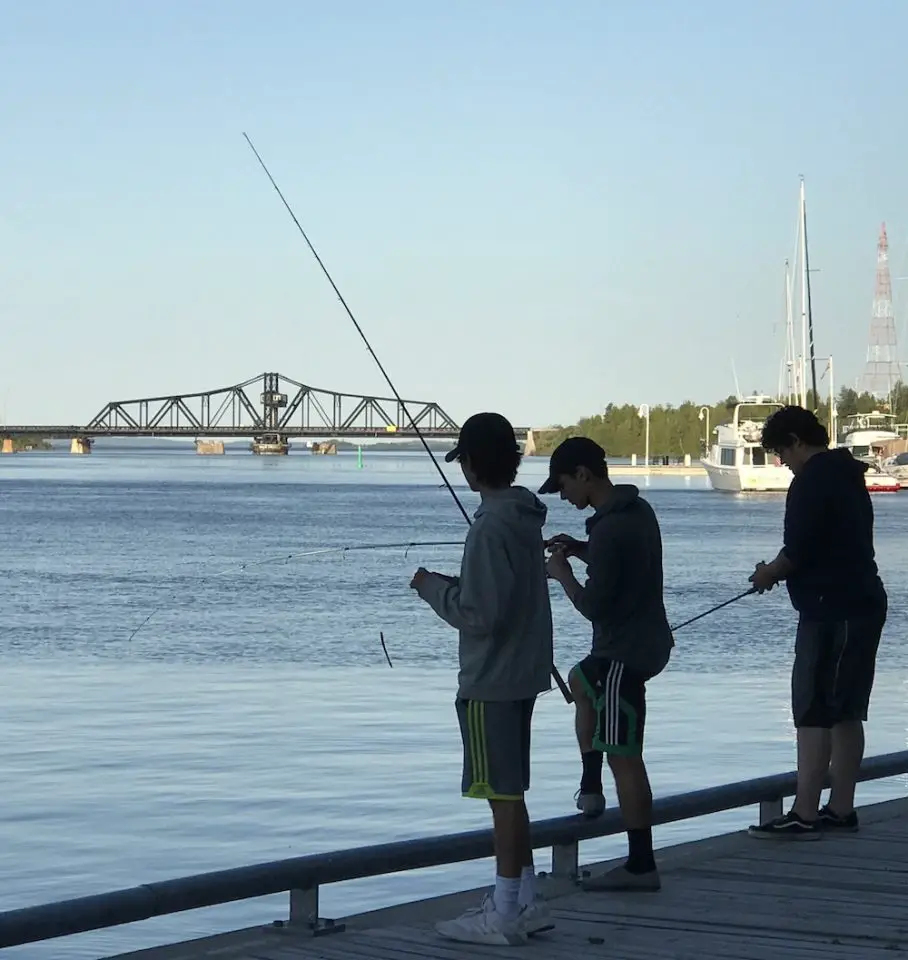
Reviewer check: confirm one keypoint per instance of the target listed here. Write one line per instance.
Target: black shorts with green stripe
(496, 747)
(619, 698)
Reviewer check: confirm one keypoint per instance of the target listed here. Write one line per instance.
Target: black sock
(591, 781)
(640, 851)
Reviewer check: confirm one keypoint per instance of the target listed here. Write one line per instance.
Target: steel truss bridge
(267, 405)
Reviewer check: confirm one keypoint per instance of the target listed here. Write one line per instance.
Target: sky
(530, 207)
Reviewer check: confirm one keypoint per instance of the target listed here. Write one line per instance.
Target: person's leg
(535, 913)
(853, 688)
(811, 674)
(585, 683)
(619, 734)
(493, 771)
(527, 895)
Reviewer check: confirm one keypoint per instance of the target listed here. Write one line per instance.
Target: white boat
(878, 481)
(866, 434)
(737, 462)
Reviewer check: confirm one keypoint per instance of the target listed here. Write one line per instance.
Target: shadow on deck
(724, 898)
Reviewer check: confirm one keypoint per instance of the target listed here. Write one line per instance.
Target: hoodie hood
(517, 507)
(841, 462)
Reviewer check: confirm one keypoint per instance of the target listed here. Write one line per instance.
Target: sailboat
(737, 462)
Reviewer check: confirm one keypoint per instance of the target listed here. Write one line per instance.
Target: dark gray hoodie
(500, 603)
(623, 595)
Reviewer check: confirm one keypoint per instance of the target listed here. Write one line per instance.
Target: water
(255, 716)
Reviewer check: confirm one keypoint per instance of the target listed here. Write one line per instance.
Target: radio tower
(882, 371)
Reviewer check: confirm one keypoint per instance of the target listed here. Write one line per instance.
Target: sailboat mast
(803, 233)
(813, 356)
(789, 339)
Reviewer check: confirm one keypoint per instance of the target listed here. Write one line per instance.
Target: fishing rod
(699, 616)
(321, 551)
(718, 606)
(555, 674)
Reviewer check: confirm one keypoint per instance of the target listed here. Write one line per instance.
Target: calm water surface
(254, 715)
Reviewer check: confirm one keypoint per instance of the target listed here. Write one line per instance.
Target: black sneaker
(836, 824)
(787, 827)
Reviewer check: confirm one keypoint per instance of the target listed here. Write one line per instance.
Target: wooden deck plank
(842, 898)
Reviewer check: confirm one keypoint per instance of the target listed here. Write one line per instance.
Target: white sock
(506, 893)
(527, 895)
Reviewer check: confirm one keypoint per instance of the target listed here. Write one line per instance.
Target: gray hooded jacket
(623, 595)
(500, 602)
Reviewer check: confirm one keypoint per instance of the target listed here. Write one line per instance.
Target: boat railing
(302, 877)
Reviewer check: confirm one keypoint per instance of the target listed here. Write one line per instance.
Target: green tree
(676, 431)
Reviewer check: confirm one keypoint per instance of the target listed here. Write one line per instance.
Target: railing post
(304, 913)
(770, 809)
(566, 860)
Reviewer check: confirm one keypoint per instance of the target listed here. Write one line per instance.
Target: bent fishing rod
(566, 693)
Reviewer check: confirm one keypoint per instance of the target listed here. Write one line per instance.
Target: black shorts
(834, 665)
(496, 747)
(619, 698)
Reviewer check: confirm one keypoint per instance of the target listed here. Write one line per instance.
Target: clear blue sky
(531, 207)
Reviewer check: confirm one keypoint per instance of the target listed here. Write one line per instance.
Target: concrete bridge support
(209, 447)
(7, 445)
(80, 445)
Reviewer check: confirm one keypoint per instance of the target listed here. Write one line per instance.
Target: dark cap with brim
(568, 456)
(481, 433)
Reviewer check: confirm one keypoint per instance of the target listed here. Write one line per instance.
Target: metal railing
(302, 876)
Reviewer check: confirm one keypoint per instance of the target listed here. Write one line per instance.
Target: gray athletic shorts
(834, 666)
(496, 747)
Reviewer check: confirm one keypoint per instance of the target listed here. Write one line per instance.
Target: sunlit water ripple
(255, 717)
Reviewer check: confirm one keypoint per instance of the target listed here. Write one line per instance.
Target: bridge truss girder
(297, 410)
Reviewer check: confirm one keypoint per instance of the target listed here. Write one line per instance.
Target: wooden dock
(725, 898)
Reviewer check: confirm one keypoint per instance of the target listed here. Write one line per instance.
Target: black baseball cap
(568, 456)
(481, 433)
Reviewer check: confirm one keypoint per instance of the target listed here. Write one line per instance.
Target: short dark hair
(790, 424)
(488, 440)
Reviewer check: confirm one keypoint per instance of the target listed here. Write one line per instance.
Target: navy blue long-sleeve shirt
(829, 539)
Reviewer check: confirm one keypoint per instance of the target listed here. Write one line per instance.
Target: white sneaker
(536, 918)
(590, 804)
(484, 924)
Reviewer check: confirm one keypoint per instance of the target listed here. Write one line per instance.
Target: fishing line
(557, 676)
(320, 551)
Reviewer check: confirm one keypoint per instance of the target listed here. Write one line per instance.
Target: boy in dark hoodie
(632, 643)
(500, 606)
(827, 560)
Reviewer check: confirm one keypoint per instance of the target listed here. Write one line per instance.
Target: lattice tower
(882, 370)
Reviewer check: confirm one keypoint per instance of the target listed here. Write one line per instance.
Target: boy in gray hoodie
(632, 642)
(500, 606)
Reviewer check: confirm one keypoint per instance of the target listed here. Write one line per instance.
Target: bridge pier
(209, 447)
(80, 445)
(8, 445)
(270, 444)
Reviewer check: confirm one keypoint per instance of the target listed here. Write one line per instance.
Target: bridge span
(270, 409)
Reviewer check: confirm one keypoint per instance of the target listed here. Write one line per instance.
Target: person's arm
(594, 598)
(478, 601)
(780, 568)
(805, 514)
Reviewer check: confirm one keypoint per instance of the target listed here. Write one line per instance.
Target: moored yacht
(866, 434)
(737, 462)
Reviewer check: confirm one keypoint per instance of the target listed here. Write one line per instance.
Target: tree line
(676, 431)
